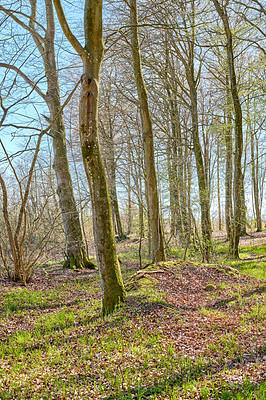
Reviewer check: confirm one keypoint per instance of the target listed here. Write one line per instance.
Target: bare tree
(151, 180)
(238, 177)
(91, 55)
(75, 249)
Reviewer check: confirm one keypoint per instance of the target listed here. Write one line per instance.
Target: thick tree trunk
(113, 292)
(152, 192)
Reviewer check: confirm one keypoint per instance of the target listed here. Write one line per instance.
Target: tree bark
(152, 191)
(218, 189)
(254, 176)
(228, 166)
(113, 292)
(238, 177)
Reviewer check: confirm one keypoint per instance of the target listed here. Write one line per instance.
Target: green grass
(247, 264)
(22, 298)
(66, 350)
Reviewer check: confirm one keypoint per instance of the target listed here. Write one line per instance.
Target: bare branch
(26, 78)
(28, 28)
(67, 31)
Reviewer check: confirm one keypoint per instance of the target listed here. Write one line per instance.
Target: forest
(132, 194)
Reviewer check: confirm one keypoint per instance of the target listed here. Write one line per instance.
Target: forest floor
(187, 330)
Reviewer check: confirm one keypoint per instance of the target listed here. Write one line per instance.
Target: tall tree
(157, 246)
(238, 177)
(75, 249)
(229, 164)
(91, 54)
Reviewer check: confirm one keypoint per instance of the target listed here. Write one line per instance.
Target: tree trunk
(229, 166)
(129, 196)
(113, 194)
(203, 188)
(111, 171)
(255, 184)
(238, 177)
(113, 292)
(218, 189)
(152, 192)
(172, 177)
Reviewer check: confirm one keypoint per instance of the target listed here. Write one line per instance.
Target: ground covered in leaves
(187, 331)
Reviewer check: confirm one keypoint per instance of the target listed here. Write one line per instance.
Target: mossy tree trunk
(75, 249)
(157, 245)
(238, 177)
(113, 292)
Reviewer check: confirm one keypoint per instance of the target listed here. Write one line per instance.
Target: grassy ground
(187, 331)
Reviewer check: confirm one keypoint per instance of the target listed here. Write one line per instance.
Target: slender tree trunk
(218, 189)
(113, 194)
(228, 166)
(172, 188)
(202, 174)
(111, 176)
(129, 195)
(255, 185)
(153, 200)
(187, 194)
(243, 209)
(238, 177)
(113, 292)
(203, 188)
(182, 188)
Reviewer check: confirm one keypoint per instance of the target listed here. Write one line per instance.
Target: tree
(75, 249)
(91, 54)
(238, 177)
(157, 245)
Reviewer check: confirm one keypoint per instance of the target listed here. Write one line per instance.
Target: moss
(75, 262)
(87, 150)
(111, 303)
(210, 287)
(226, 270)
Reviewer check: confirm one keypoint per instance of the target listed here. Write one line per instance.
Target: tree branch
(26, 78)
(67, 31)
(28, 28)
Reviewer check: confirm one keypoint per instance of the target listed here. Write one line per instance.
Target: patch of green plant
(233, 391)
(256, 250)
(21, 299)
(257, 313)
